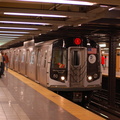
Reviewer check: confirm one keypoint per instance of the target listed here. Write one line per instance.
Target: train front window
(76, 58)
(59, 58)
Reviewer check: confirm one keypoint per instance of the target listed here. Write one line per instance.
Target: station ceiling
(22, 20)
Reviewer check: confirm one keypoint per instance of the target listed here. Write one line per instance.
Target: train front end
(84, 69)
(75, 65)
(75, 69)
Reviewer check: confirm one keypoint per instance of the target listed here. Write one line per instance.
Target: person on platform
(1, 62)
(6, 61)
(103, 61)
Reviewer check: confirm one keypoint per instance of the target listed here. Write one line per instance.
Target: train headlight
(90, 78)
(62, 78)
(95, 75)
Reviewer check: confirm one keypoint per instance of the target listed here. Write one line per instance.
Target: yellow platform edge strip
(74, 109)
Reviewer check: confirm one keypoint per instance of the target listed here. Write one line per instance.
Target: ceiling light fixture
(29, 23)
(4, 37)
(104, 6)
(18, 28)
(62, 2)
(4, 40)
(102, 45)
(112, 8)
(60, 26)
(13, 32)
(2, 43)
(10, 35)
(79, 24)
(36, 15)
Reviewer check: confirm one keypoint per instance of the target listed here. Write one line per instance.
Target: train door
(19, 61)
(14, 53)
(22, 61)
(32, 65)
(77, 62)
(11, 58)
(8, 53)
(27, 62)
(20, 55)
(38, 65)
(16, 60)
(43, 67)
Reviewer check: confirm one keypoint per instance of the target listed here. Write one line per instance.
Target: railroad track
(99, 104)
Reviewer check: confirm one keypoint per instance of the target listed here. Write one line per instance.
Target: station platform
(23, 99)
(105, 72)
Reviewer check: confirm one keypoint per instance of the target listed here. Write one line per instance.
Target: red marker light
(77, 41)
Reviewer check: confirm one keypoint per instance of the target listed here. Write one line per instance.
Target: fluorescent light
(29, 23)
(60, 26)
(112, 8)
(13, 32)
(103, 6)
(102, 45)
(79, 24)
(4, 37)
(4, 40)
(10, 35)
(36, 15)
(103, 52)
(106, 48)
(62, 2)
(18, 28)
(2, 43)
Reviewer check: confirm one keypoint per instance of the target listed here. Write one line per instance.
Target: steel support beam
(112, 71)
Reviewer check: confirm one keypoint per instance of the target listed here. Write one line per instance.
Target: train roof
(45, 43)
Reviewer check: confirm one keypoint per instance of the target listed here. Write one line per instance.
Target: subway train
(67, 65)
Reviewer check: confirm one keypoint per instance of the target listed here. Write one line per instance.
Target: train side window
(45, 58)
(76, 58)
(23, 57)
(28, 57)
(32, 58)
(16, 57)
(39, 57)
(20, 55)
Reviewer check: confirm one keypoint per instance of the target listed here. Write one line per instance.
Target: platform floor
(105, 72)
(23, 99)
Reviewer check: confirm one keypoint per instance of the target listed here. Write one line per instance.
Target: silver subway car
(63, 65)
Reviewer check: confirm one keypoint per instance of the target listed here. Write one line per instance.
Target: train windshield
(59, 57)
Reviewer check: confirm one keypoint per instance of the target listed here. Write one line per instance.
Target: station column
(112, 70)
